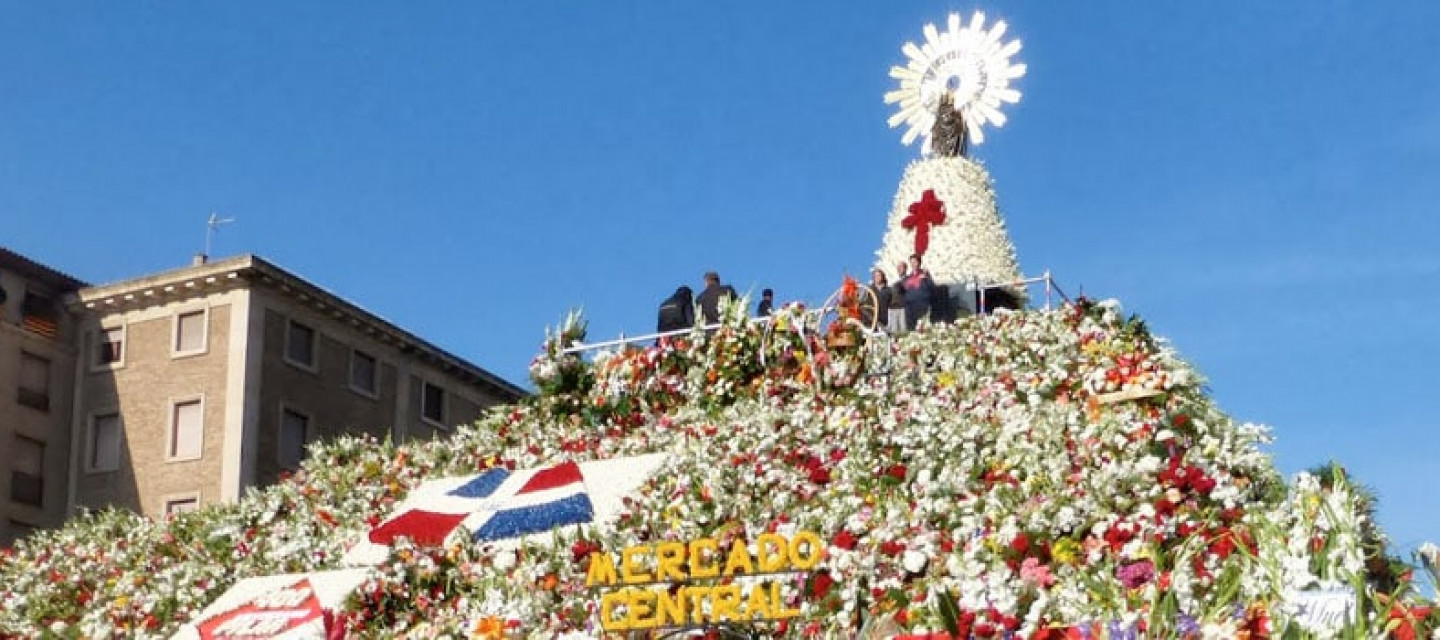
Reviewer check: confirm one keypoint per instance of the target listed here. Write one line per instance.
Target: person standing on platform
(710, 298)
(895, 303)
(878, 314)
(767, 304)
(677, 312)
(897, 293)
(919, 290)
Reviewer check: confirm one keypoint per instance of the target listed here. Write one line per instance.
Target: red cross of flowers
(924, 213)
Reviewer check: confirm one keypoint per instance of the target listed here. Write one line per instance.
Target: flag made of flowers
(502, 507)
(297, 606)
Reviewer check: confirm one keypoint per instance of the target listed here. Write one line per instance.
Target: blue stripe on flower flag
(483, 485)
(509, 523)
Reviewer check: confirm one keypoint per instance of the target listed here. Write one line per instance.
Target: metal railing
(1051, 290)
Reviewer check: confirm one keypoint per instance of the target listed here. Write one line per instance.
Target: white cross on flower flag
(501, 507)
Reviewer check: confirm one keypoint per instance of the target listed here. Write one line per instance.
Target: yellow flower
(945, 379)
(1065, 551)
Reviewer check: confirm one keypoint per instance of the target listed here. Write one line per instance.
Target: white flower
(505, 560)
(914, 561)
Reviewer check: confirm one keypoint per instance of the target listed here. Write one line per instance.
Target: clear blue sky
(1258, 179)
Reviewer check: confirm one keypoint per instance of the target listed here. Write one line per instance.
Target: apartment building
(37, 365)
(186, 387)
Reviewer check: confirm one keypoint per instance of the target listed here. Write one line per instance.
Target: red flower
(1118, 534)
(844, 540)
(820, 584)
(1404, 621)
(582, 549)
(1164, 507)
(1224, 544)
(1257, 623)
(820, 475)
(965, 623)
(891, 548)
(897, 472)
(1020, 544)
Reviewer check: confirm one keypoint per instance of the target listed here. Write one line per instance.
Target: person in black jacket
(677, 312)
(767, 303)
(709, 299)
(874, 312)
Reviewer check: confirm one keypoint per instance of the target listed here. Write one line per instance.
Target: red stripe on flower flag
(421, 527)
(556, 476)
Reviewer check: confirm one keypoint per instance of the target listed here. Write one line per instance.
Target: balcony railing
(976, 288)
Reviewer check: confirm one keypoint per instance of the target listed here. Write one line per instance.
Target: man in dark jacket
(767, 303)
(709, 299)
(677, 312)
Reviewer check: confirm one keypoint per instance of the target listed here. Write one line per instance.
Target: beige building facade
(192, 385)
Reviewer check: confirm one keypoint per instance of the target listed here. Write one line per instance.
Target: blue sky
(1257, 179)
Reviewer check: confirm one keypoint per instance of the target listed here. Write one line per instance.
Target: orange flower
(850, 298)
(489, 628)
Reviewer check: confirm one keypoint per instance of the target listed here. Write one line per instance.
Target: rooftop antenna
(211, 226)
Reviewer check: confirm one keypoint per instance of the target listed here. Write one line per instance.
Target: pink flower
(1135, 574)
(1035, 573)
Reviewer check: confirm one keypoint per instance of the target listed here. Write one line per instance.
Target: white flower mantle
(971, 244)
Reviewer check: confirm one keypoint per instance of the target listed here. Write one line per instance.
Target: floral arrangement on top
(977, 487)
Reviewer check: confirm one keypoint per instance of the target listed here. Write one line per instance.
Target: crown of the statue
(967, 66)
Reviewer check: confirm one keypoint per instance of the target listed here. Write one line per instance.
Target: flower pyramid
(967, 243)
(1037, 474)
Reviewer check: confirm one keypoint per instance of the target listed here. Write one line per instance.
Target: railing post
(981, 288)
(1047, 289)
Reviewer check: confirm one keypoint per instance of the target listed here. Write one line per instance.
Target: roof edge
(252, 267)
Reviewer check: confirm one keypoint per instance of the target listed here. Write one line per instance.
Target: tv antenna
(211, 226)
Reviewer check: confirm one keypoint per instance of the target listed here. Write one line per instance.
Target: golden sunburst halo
(968, 61)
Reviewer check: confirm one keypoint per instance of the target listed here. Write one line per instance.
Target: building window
(189, 333)
(294, 433)
(182, 504)
(38, 315)
(362, 373)
(432, 404)
(27, 473)
(109, 347)
(34, 390)
(187, 430)
(104, 443)
(300, 345)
